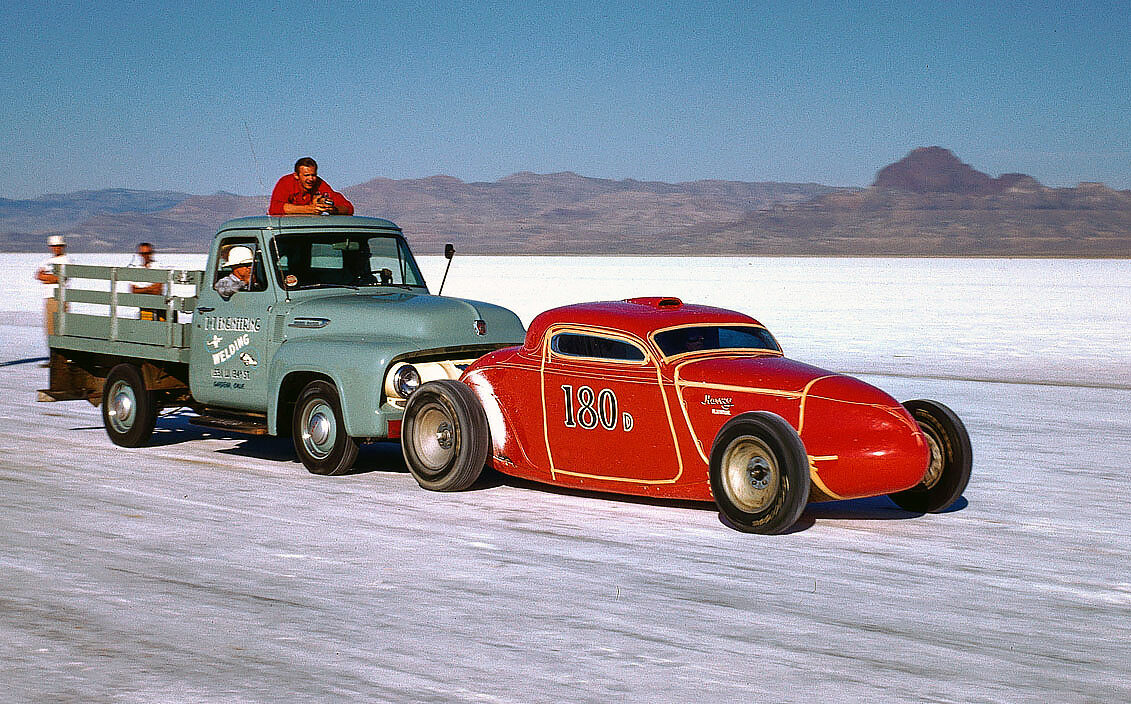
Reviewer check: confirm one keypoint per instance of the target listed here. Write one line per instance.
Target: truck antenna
(254, 160)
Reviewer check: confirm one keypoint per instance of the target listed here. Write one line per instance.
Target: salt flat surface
(212, 568)
(1049, 320)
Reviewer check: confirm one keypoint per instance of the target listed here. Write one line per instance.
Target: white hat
(56, 241)
(239, 255)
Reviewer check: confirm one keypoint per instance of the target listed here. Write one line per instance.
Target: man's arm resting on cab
(341, 206)
(296, 209)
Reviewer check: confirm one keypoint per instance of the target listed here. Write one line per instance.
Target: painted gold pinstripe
(814, 475)
(734, 387)
(613, 377)
(805, 395)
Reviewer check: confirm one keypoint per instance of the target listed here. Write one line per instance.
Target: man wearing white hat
(46, 274)
(239, 260)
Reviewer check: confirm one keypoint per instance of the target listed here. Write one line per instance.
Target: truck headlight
(406, 380)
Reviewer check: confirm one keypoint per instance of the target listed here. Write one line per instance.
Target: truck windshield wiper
(304, 287)
(404, 286)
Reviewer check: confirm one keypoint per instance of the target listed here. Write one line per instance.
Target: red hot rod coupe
(654, 397)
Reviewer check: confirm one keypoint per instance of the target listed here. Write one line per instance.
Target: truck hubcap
(319, 429)
(121, 407)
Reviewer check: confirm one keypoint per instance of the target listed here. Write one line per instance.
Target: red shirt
(289, 190)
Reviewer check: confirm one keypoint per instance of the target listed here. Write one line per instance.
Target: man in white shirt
(46, 274)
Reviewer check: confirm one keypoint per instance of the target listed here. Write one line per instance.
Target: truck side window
(258, 271)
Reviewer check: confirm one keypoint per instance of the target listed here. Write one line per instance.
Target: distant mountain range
(927, 204)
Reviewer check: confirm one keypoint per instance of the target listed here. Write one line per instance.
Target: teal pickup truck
(331, 333)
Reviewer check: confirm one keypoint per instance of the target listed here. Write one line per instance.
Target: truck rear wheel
(129, 412)
(319, 433)
(444, 436)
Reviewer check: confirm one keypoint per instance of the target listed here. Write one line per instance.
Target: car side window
(571, 344)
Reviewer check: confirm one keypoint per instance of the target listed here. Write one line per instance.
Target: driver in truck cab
(239, 261)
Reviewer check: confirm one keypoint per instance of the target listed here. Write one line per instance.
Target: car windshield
(348, 259)
(714, 337)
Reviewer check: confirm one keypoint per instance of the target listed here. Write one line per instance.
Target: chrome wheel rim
(319, 429)
(121, 411)
(935, 466)
(750, 474)
(434, 437)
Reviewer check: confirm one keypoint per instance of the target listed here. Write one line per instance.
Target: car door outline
(601, 374)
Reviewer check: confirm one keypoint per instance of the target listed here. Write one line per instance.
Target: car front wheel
(759, 473)
(444, 436)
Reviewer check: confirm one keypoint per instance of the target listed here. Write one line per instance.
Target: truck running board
(63, 394)
(250, 424)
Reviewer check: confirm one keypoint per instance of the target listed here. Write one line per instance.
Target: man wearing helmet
(239, 260)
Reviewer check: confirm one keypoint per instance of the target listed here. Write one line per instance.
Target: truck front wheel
(128, 410)
(319, 434)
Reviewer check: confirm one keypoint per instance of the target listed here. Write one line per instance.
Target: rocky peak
(938, 170)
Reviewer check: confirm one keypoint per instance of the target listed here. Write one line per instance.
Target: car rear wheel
(948, 471)
(759, 473)
(129, 412)
(319, 432)
(444, 436)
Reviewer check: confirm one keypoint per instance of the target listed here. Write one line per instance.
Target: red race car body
(654, 397)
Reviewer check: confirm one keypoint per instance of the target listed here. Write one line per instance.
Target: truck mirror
(449, 252)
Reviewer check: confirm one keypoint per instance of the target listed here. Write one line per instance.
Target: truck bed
(96, 317)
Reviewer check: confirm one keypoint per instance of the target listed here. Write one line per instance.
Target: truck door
(230, 337)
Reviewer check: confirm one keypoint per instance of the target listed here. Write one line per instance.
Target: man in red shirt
(303, 193)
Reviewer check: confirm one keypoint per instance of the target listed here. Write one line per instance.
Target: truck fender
(356, 367)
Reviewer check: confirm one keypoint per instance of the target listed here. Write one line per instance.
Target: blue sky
(205, 97)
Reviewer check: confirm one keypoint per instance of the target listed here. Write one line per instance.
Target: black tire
(319, 433)
(951, 458)
(129, 412)
(759, 473)
(444, 436)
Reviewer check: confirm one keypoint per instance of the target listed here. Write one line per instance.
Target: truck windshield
(349, 259)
